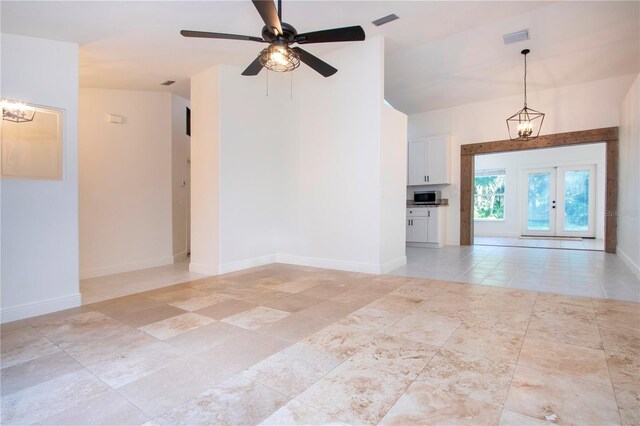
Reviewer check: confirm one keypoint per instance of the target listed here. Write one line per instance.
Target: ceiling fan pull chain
(267, 83)
(291, 88)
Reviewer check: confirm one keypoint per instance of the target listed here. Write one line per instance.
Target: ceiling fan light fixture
(526, 123)
(279, 57)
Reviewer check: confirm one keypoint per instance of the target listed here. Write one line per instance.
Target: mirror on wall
(31, 141)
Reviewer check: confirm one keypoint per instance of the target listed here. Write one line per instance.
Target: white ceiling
(438, 54)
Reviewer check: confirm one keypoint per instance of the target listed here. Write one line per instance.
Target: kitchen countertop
(444, 203)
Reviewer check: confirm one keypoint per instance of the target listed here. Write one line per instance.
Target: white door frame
(524, 207)
(591, 228)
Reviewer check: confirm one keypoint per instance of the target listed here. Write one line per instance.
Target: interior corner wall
(255, 128)
(629, 179)
(39, 223)
(334, 217)
(205, 172)
(180, 177)
(393, 176)
(125, 181)
(583, 106)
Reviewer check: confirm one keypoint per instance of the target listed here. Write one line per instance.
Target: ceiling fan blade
(254, 67)
(328, 36)
(269, 14)
(204, 34)
(316, 63)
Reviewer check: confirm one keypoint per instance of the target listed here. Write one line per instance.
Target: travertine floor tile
(237, 401)
(297, 413)
(106, 409)
(426, 327)
(24, 344)
(295, 327)
(293, 303)
(200, 302)
(355, 395)
(206, 337)
(395, 303)
(492, 344)
(51, 397)
(292, 370)
(394, 355)
(369, 318)
(511, 418)
(173, 385)
(36, 371)
(174, 326)
(339, 340)
(473, 376)
(569, 360)
(225, 309)
(256, 317)
(81, 329)
(139, 318)
(425, 405)
(629, 405)
(562, 399)
(571, 331)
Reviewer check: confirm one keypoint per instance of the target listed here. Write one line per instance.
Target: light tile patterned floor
(542, 242)
(291, 345)
(569, 272)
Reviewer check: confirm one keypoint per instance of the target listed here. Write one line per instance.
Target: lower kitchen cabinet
(424, 227)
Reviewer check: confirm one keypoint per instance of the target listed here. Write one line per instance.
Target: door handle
(425, 178)
(428, 214)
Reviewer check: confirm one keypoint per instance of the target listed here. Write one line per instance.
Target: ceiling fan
(279, 56)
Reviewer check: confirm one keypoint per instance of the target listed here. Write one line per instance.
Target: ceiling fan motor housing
(288, 36)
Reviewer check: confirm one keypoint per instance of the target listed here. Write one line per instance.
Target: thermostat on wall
(117, 119)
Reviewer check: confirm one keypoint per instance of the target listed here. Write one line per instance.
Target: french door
(559, 201)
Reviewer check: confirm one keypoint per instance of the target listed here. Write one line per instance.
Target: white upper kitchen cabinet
(429, 160)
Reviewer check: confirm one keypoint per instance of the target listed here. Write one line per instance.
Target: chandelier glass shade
(526, 123)
(279, 57)
(17, 112)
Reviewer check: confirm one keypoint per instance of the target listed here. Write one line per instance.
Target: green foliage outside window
(489, 196)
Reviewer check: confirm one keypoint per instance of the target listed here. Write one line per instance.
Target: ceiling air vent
(167, 82)
(516, 37)
(385, 20)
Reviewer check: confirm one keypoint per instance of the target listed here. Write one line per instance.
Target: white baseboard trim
(394, 264)
(341, 265)
(179, 257)
(41, 307)
(203, 268)
(238, 265)
(125, 267)
(628, 262)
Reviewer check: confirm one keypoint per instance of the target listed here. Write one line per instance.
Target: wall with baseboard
(629, 179)
(583, 106)
(125, 181)
(39, 223)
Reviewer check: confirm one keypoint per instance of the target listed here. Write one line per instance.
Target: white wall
(514, 163)
(299, 179)
(125, 181)
(180, 175)
(629, 178)
(393, 174)
(205, 172)
(40, 218)
(578, 107)
(335, 217)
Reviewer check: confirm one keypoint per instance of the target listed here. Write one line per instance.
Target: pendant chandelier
(526, 123)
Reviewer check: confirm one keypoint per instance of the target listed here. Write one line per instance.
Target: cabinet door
(417, 162)
(432, 226)
(419, 230)
(437, 166)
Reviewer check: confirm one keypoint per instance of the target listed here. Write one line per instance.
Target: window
(489, 195)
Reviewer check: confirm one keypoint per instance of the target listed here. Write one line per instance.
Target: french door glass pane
(539, 199)
(576, 200)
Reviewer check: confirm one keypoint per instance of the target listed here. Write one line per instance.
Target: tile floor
(574, 244)
(282, 345)
(569, 272)
(116, 285)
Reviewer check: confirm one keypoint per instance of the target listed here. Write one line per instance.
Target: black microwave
(427, 197)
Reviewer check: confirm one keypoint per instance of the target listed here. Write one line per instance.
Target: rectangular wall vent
(385, 20)
(516, 37)
(167, 82)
